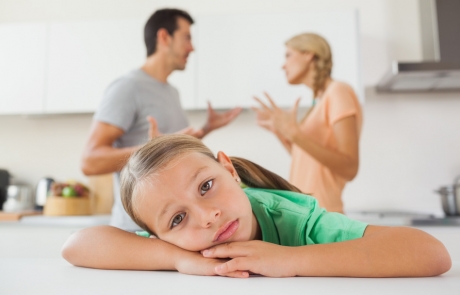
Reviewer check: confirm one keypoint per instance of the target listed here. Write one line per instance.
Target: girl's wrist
(299, 261)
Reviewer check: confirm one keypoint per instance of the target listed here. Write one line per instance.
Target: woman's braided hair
(313, 43)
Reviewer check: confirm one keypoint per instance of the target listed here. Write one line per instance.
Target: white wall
(410, 143)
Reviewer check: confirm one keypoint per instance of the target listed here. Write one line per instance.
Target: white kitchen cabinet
(65, 67)
(242, 55)
(22, 68)
(85, 57)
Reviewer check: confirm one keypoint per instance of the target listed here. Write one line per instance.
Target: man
(141, 105)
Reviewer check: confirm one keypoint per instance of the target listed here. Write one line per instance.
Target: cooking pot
(450, 198)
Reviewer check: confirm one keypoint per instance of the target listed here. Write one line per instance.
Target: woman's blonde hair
(157, 153)
(313, 43)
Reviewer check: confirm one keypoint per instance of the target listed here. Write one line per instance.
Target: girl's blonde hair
(157, 153)
(313, 43)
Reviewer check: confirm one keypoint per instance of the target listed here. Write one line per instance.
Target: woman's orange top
(310, 176)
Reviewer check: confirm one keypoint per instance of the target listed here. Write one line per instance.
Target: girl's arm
(381, 252)
(108, 247)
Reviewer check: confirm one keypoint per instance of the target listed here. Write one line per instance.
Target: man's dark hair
(162, 19)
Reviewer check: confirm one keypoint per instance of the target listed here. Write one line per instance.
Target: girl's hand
(257, 257)
(277, 120)
(193, 263)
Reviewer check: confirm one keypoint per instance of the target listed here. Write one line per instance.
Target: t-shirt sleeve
(328, 227)
(342, 103)
(118, 106)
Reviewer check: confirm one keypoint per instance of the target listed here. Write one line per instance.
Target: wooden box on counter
(60, 206)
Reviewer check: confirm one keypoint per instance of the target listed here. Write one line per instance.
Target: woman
(324, 144)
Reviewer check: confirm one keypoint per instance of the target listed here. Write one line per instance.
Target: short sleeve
(341, 103)
(329, 227)
(118, 106)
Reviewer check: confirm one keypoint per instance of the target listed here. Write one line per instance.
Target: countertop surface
(30, 263)
(55, 276)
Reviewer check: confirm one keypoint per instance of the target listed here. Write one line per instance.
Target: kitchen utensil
(4, 182)
(450, 198)
(19, 198)
(42, 191)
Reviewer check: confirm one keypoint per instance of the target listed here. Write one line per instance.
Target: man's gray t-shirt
(126, 104)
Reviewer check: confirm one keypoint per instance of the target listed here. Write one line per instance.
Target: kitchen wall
(410, 143)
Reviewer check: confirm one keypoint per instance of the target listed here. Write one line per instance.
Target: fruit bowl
(70, 198)
(59, 206)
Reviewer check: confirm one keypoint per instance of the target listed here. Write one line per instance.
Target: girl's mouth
(226, 231)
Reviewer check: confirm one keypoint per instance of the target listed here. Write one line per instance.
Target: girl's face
(297, 65)
(196, 203)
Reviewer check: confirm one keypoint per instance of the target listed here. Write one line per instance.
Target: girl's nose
(210, 217)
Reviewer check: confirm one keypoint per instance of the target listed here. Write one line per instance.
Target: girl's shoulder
(276, 198)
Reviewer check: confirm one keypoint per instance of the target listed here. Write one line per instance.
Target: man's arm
(99, 157)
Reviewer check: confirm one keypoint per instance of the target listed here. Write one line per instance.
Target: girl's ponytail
(256, 176)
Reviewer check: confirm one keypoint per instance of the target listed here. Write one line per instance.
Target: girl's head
(175, 188)
(308, 55)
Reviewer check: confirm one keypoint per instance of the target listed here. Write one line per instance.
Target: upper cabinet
(242, 55)
(22, 68)
(66, 67)
(85, 57)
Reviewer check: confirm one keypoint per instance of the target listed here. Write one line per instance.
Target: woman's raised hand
(277, 120)
(256, 257)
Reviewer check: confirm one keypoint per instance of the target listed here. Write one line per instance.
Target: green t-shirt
(293, 219)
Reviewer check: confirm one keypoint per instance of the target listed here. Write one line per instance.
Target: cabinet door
(242, 55)
(22, 68)
(85, 57)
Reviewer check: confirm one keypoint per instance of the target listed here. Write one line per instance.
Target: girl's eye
(177, 220)
(206, 186)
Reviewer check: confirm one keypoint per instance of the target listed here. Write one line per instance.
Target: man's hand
(218, 120)
(198, 133)
(257, 257)
(154, 132)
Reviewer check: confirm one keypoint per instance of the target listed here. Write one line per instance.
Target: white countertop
(30, 263)
(55, 276)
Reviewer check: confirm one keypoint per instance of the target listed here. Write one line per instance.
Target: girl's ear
(225, 161)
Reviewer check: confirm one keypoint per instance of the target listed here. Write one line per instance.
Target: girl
(324, 145)
(175, 189)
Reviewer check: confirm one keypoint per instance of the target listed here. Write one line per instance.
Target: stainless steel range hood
(440, 26)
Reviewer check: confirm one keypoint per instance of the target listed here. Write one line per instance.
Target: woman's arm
(345, 160)
(381, 252)
(107, 247)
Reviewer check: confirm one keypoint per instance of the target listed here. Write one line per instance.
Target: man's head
(168, 31)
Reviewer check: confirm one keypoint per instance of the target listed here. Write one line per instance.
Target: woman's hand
(277, 120)
(257, 257)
